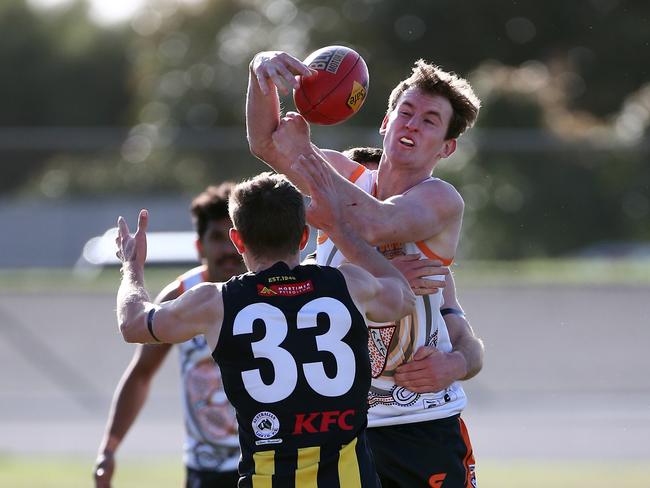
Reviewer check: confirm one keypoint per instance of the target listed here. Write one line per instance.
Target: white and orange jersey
(211, 439)
(391, 345)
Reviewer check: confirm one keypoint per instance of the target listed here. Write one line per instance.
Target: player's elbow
(260, 148)
(128, 330)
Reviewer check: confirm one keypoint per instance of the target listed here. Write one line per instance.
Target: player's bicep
(189, 315)
(379, 299)
(421, 213)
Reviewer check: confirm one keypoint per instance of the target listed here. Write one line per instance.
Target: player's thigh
(431, 454)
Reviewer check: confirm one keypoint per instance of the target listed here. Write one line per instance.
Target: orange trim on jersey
(188, 274)
(432, 255)
(356, 174)
(468, 461)
(322, 237)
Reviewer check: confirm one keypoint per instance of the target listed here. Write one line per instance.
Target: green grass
(468, 273)
(55, 472)
(16, 472)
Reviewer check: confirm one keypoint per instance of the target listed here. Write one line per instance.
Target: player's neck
(393, 180)
(258, 264)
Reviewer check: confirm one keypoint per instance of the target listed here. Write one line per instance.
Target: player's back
(294, 359)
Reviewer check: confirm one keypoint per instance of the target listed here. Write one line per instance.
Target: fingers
(424, 352)
(296, 66)
(122, 228)
(280, 69)
(406, 258)
(143, 221)
(263, 82)
(426, 285)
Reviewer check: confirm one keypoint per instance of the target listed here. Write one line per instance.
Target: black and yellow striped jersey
(293, 352)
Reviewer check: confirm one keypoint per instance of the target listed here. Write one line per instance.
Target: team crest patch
(265, 426)
(378, 343)
(286, 289)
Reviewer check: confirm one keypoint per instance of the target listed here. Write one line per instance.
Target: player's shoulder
(341, 163)
(439, 191)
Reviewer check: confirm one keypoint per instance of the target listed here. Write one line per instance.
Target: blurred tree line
(558, 160)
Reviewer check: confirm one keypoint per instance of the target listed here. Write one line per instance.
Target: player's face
(218, 252)
(415, 131)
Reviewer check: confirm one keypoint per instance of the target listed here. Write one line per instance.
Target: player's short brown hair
(364, 155)
(211, 204)
(433, 80)
(269, 213)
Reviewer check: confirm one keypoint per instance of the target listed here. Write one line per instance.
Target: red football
(337, 91)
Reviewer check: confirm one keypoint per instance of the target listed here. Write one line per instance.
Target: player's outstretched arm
(375, 284)
(197, 311)
(424, 211)
(270, 72)
(128, 399)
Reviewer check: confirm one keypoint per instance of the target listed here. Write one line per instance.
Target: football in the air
(338, 89)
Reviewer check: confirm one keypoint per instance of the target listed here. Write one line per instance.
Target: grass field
(167, 473)
(576, 365)
(469, 273)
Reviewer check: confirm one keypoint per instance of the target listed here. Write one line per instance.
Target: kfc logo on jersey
(286, 290)
(312, 423)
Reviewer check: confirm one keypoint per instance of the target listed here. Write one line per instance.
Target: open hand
(279, 69)
(431, 370)
(132, 248)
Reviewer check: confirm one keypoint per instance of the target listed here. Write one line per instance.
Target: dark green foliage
(536, 181)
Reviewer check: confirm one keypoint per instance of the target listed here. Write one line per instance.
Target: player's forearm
(131, 299)
(360, 207)
(465, 342)
(128, 400)
(262, 118)
(359, 252)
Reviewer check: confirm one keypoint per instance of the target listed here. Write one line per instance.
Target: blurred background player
(211, 447)
(302, 413)
(403, 210)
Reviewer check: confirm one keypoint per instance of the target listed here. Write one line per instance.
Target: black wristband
(448, 310)
(150, 323)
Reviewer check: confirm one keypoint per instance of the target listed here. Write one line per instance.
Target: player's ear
(305, 237)
(199, 248)
(384, 123)
(448, 148)
(236, 239)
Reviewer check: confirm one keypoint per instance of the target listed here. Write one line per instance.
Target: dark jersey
(294, 362)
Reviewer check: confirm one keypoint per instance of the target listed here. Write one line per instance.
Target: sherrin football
(338, 89)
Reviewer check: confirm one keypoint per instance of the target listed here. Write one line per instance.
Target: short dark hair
(433, 80)
(269, 213)
(211, 204)
(364, 154)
